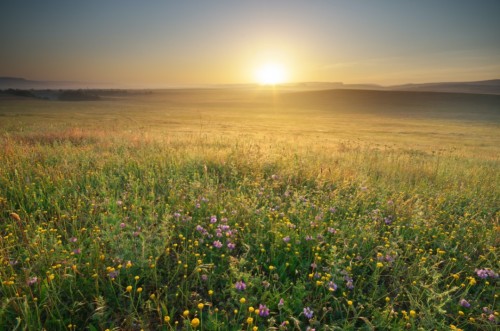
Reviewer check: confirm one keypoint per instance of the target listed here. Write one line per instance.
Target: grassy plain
(186, 209)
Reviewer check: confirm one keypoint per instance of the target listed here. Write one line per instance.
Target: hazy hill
(477, 87)
(27, 84)
(481, 87)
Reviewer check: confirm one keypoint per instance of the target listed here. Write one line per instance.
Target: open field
(230, 209)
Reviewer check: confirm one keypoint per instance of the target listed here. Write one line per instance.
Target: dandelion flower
(15, 216)
(195, 322)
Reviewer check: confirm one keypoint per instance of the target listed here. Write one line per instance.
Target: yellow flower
(166, 319)
(200, 305)
(210, 292)
(249, 320)
(185, 313)
(195, 322)
(255, 328)
(129, 288)
(136, 277)
(251, 309)
(413, 313)
(380, 264)
(242, 300)
(15, 216)
(349, 303)
(139, 289)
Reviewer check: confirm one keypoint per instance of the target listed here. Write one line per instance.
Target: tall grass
(155, 230)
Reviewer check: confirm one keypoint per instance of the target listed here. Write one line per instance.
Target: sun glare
(270, 74)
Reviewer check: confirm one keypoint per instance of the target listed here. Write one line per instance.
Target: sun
(271, 74)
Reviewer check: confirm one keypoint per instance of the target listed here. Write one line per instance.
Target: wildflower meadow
(137, 215)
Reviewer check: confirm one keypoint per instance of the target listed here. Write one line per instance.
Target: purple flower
(464, 303)
(204, 277)
(263, 311)
(113, 274)
(77, 251)
(240, 285)
(213, 219)
(332, 286)
(73, 239)
(122, 225)
(389, 258)
(332, 230)
(491, 318)
(348, 281)
(32, 281)
(281, 303)
(308, 312)
(231, 246)
(217, 244)
(485, 273)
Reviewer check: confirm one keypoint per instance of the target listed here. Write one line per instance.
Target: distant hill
(479, 87)
(26, 84)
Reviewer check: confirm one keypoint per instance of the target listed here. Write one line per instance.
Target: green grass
(375, 216)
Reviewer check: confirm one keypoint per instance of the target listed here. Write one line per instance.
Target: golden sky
(166, 43)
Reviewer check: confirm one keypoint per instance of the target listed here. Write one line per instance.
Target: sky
(159, 43)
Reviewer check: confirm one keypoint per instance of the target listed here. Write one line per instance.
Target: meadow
(250, 209)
